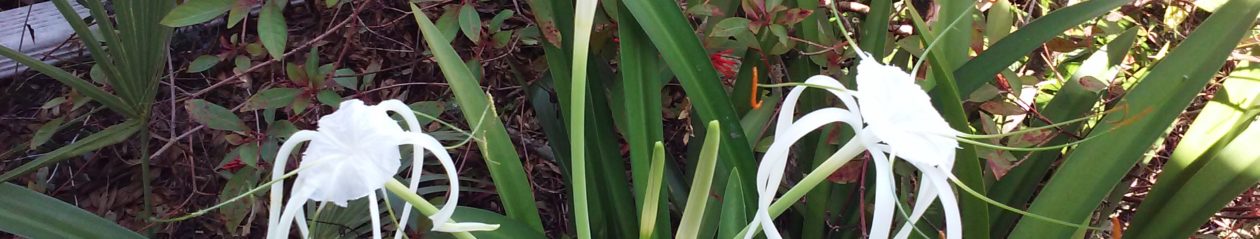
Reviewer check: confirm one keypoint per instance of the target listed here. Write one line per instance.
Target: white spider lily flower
(787, 132)
(352, 154)
(901, 121)
(893, 117)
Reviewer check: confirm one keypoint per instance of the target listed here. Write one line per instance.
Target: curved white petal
(787, 131)
(441, 219)
(417, 158)
(375, 214)
(277, 170)
(923, 199)
(885, 195)
(291, 209)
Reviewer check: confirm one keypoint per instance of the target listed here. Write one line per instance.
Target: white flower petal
(900, 113)
(885, 196)
(441, 219)
(374, 210)
(282, 158)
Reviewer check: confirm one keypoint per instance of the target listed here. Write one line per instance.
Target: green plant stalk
(1081, 181)
(503, 162)
(652, 195)
(671, 33)
(145, 177)
(847, 152)
(583, 18)
(701, 182)
(426, 208)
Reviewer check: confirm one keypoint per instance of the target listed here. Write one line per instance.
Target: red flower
(233, 165)
(724, 63)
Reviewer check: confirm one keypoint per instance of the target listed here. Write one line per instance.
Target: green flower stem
(851, 149)
(400, 190)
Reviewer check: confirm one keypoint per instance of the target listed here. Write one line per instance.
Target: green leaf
(1015, 46)
(501, 158)
(733, 217)
(272, 30)
(689, 225)
(29, 214)
(672, 35)
(109, 136)
(501, 38)
(1210, 162)
(240, 183)
(239, 11)
(214, 116)
(46, 131)
(641, 96)
(731, 26)
(652, 193)
(329, 98)
(1071, 101)
(300, 103)
(448, 23)
(1081, 182)
(496, 23)
(470, 23)
(271, 99)
(203, 63)
(345, 77)
(370, 77)
(74, 82)
(197, 11)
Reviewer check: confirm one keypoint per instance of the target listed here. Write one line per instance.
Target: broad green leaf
(470, 23)
(197, 11)
(999, 21)
(46, 131)
(329, 98)
(203, 63)
(235, 212)
(345, 77)
(641, 97)
(1070, 102)
(1015, 46)
(672, 35)
(29, 214)
(689, 226)
(239, 11)
(214, 116)
(272, 30)
(1081, 182)
(1210, 161)
(448, 24)
(733, 217)
(501, 158)
(108, 136)
(731, 26)
(271, 99)
(496, 23)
